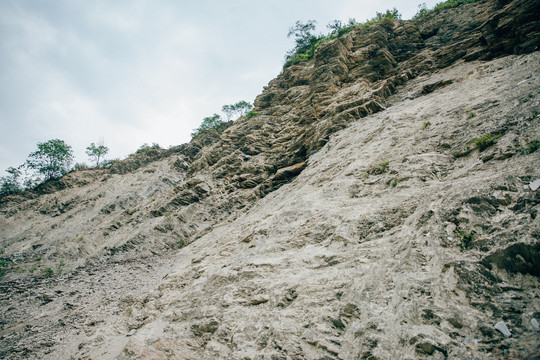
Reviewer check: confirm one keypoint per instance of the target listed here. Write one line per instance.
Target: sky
(130, 72)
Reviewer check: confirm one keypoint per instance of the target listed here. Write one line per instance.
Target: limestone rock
(352, 217)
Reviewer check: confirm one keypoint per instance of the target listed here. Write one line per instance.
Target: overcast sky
(142, 71)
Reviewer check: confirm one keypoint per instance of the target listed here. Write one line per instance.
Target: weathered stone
(501, 326)
(341, 264)
(289, 171)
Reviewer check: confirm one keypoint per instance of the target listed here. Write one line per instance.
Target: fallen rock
(501, 326)
(534, 185)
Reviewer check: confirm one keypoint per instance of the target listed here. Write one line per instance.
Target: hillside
(382, 204)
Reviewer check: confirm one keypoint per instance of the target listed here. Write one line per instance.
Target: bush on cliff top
(423, 10)
(306, 42)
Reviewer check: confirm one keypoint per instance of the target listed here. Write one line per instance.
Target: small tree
(228, 110)
(209, 123)
(334, 26)
(237, 110)
(303, 35)
(95, 153)
(52, 159)
(10, 184)
(305, 42)
(242, 108)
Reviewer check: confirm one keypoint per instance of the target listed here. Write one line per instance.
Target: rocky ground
(383, 204)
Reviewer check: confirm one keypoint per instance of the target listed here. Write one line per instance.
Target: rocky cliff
(381, 204)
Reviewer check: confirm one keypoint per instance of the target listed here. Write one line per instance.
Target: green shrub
(452, 4)
(235, 111)
(11, 184)
(80, 166)
(307, 42)
(380, 168)
(383, 166)
(482, 143)
(388, 15)
(144, 148)
(209, 123)
(423, 10)
(466, 239)
(251, 114)
(105, 164)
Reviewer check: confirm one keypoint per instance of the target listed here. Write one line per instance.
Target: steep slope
(383, 204)
(352, 261)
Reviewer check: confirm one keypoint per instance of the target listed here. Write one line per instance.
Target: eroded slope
(409, 228)
(354, 261)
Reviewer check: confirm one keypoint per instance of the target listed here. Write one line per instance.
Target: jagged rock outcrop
(379, 205)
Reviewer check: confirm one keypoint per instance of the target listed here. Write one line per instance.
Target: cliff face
(382, 204)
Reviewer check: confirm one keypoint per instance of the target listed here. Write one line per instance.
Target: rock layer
(379, 205)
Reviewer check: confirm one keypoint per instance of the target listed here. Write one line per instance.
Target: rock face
(379, 205)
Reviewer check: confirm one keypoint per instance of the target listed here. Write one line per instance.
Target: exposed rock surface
(380, 205)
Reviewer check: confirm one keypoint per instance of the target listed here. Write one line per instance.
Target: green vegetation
(52, 159)
(306, 42)
(11, 184)
(387, 15)
(425, 125)
(209, 123)
(451, 4)
(470, 114)
(482, 143)
(423, 10)
(108, 163)
(144, 148)
(466, 239)
(96, 152)
(80, 166)
(131, 211)
(237, 110)
(381, 168)
(251, 114)
(463, 152)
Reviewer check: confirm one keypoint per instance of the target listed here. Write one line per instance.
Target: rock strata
(381, 204)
